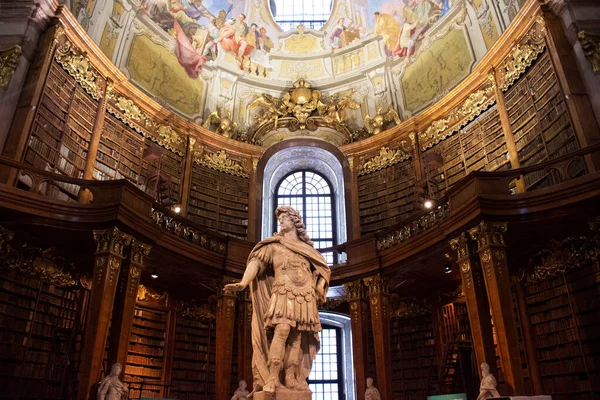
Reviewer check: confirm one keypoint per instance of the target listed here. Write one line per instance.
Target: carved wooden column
(224, 342)
(186, 180)
(245, 337)
(478, 306)
(492, 253)
(379, 300)
(124, 306)
(107, 265)
(359, 320)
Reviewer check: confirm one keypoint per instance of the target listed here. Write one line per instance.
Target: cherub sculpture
(111, 387)
(225, 126)
(375, 125)
(333, 110)
(274, 108)
(488, 384)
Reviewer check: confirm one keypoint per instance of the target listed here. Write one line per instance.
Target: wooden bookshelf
(146, 355)
(119, 152)
(387, 196)
(564, 314)
(413, 356)
(479, 146)
(62, 130)
(219, 201)
(193, 375)
(40, 340)
(539, 120)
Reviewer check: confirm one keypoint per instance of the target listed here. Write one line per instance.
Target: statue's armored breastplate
(295, 275)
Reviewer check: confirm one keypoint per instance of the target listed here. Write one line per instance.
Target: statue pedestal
(284, 394)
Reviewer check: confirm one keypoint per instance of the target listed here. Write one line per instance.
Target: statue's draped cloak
(260, 291)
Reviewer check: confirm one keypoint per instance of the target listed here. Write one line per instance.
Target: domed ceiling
(233, 65)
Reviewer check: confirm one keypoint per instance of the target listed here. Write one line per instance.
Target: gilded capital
(377, 284)
(138, 251)
(460, 245)
(111, 240)
(488, 234)
(9, 59)
(354, 290)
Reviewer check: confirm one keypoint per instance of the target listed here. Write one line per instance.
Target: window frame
(289, 24)
(332, 200)
(340, 367)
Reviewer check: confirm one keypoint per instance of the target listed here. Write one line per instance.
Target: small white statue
(488, 384)
(241, 393)
(371, 393)
(111, 387)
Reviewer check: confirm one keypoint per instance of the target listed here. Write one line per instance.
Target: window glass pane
(312, 13)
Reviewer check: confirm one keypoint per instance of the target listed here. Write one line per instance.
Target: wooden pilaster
(379, 300)
(245, 337)
(359, 320)
(354, 198)
(224, 343)
(187, 175)
(124, 306)
(253, 222)
(109, 255)
(492, 253)
(478, 306)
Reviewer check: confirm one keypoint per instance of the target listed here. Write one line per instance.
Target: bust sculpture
(488, 384)
(287, 278)
(371, 393)
(241, 393)
(111, 387)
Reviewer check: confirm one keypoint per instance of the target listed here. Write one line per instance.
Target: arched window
(326, 378)
(311, 195)
(311, 13)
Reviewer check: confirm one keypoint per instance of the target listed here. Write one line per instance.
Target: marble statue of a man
(241, 393)
(111, 387)
(287, 279)
(371, 393)
(488, 384)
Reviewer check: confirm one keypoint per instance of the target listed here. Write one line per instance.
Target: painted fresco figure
(387, 26)
(336, 35)
(287, 278)
(232, 37)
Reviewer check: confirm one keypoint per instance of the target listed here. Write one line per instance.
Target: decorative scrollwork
(111, 240)
(407, 307)
(9, 59)
(384, 159)
(377, 284)
(220, 161)
(200, 312)
(414, 228)
(188, 233)
(79, 67)
(521, 57)
(149, 295)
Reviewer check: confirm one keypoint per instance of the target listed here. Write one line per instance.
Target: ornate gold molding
(385, 158)
(521, 57)
(220, 161)
(407, 307)
(488, 234)
(111, 240)
(149, 295)
(200, 312)
(377, 284)
(79, 67)
(354, 290)
(590, 43)
(476, 103)
(138, 251)
(9, 60)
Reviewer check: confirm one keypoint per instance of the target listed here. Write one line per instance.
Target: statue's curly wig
(297, 218)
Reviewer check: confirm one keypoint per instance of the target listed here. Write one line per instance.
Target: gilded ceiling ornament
(521, 57)
(79, 67)
(590, 43)
(375, 125)
(9, 59)
(220, 161)
(385, 158)
(302, 108)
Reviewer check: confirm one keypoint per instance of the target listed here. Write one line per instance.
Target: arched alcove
(303, 157)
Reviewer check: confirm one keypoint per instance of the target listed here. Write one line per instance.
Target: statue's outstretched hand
(234, 287)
